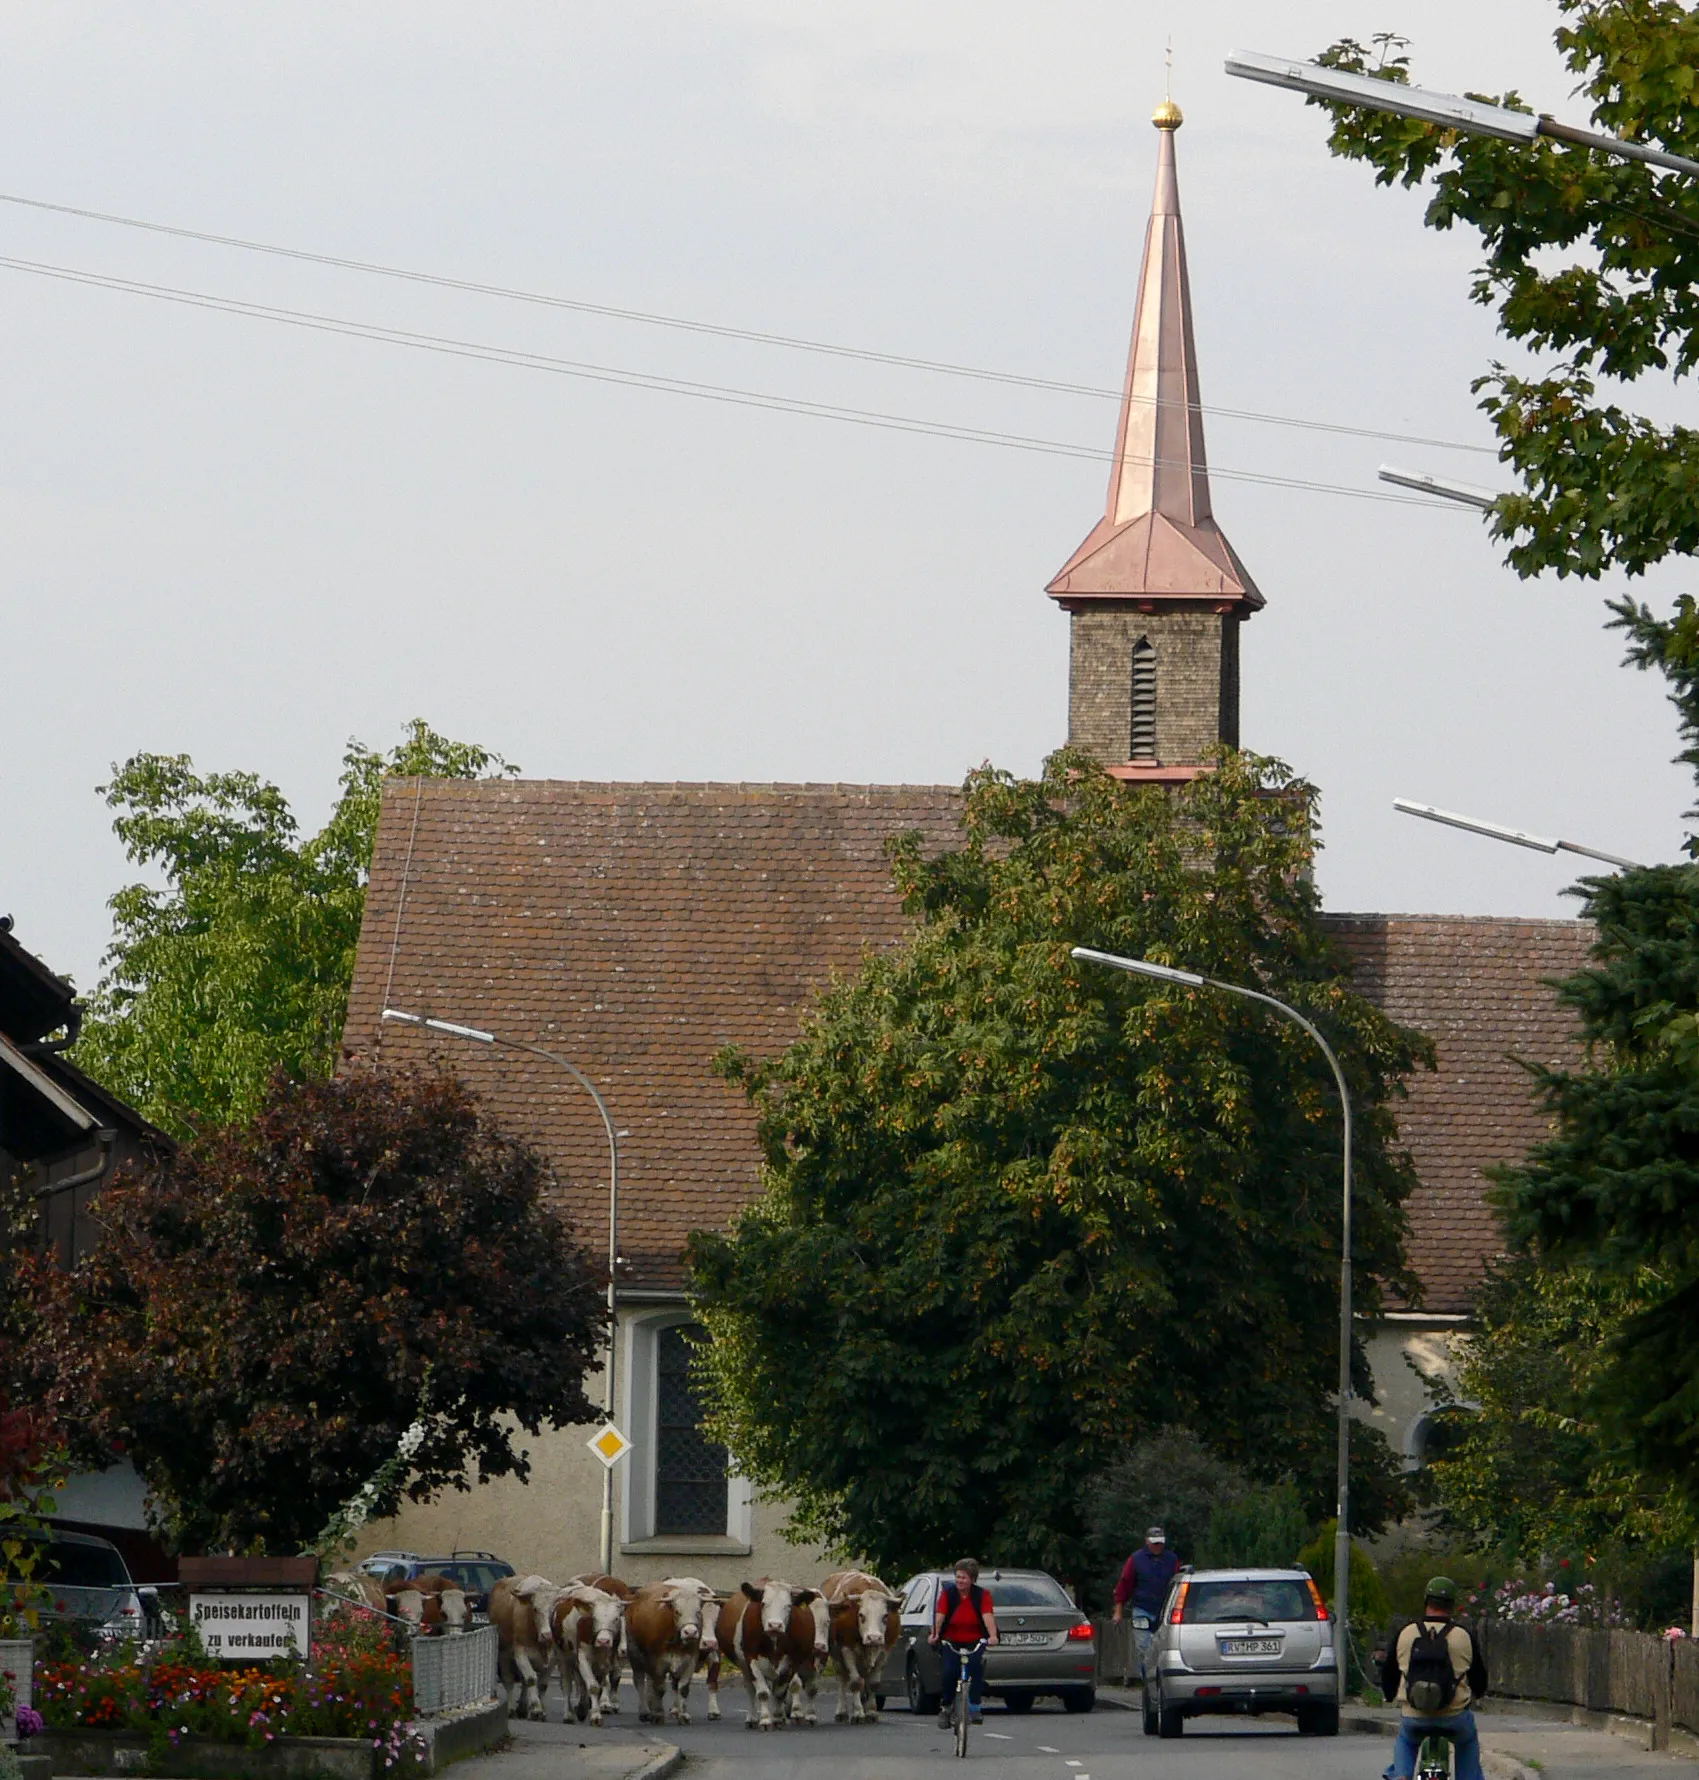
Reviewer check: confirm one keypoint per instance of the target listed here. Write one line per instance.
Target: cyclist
(1434, 1669)
(966, 1621)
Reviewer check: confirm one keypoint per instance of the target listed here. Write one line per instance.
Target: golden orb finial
(1168, 116)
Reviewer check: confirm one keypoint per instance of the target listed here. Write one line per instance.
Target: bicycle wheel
(963, 1715)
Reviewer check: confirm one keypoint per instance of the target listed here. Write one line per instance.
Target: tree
(240, 966)
(1015, 1210)
(1529, 1469)
(272, 1309)
(1595, 261)
(1615, 1190)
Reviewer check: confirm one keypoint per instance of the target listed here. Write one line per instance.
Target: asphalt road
(1045, 1744)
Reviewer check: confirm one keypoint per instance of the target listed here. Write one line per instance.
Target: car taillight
(1179, 1612)
(1315, 1595)
(1081, 1632)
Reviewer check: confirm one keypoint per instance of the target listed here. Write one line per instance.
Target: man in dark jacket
(1144, 1582)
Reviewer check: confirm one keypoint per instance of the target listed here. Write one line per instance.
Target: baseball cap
(1156, 1535)
(1441, 1589)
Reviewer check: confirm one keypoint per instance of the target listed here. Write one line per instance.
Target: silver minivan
(1248, 1641)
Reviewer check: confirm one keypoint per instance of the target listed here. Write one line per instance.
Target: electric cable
(686, 324)
(595, 373)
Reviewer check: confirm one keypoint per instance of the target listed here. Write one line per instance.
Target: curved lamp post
(479, 1036)
(1342, 1542)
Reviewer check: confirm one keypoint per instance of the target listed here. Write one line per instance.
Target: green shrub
(1264, 1527)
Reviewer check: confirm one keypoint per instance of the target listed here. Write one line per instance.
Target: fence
(1629, 1672)
(1117, 1652)
(452, 1672)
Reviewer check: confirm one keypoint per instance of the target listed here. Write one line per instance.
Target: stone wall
(1197, 682)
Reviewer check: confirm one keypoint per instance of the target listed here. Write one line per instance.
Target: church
(635, 929)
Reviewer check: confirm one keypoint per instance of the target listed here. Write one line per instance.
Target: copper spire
(1157, 538)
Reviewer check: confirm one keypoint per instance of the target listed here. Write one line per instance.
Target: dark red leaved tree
(268, 1312)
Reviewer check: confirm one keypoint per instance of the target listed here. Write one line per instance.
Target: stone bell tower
(1155, 595)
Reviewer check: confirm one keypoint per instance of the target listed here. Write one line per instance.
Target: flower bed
(364, 1696)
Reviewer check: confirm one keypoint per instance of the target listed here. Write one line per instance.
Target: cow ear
(804, 1596)
(753, 1593)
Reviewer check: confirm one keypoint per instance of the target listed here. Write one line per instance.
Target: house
(63, 1137)
(636, 929)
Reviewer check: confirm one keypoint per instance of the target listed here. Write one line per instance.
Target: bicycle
(961, 1707)
(1434, 1758)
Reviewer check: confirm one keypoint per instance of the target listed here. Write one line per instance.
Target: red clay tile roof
(638, 928)
(1476, 986)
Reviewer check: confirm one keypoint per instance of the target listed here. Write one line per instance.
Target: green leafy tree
(364, 1266)
(240, 965)
(1529, 1469)
(1015, 1208)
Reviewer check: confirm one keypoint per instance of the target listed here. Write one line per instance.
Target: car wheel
(1171, 1722)
(921, 1703)
(1019, 1700)
(1318, 1721)
(1150, 1711)
(1078, 1699)
(879, 1702)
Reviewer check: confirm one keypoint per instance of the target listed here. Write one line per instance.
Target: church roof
(1157, 539)
(638, 928)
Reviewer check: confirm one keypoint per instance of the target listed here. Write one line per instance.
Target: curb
(671, 1758)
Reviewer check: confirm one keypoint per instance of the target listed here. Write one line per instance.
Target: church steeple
(1156, 593)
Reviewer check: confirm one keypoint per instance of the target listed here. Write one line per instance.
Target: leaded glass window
(690, 1470)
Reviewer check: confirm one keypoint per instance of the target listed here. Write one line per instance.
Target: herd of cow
(780, 1637)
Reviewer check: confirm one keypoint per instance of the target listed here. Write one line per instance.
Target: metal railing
(453, 1672)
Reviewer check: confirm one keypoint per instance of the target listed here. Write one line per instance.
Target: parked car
(1250, 1641)
(88, 1586)
(477, 1572)
(1045, 1644)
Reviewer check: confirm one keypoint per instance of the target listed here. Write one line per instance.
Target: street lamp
(1517, 837)
(514, 1044)
(1166, 973)
(1466, 494)
(1472, 117)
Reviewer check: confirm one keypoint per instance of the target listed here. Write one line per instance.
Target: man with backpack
(966, 1621)
(1434, 1670)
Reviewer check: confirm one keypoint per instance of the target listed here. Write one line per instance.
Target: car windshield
(1024, 1591)
(86, 1566)
(480, 1578)
(1218, 1603)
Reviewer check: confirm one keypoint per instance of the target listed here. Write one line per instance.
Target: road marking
(1045, 1749)
(1071, 1763)
(1001, 1736)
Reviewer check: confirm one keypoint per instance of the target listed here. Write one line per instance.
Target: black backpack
(1430, 1681)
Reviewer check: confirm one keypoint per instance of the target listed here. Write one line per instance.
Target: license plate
(1250, 1647)
(1025, 1640)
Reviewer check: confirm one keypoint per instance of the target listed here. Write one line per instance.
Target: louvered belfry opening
(690, 1470)
(1144, 701)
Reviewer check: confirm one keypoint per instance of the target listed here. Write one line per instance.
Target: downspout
(105, 1139)
(51, 1047)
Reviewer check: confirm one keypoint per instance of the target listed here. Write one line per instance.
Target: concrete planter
(17, 1659)
(95, 1752)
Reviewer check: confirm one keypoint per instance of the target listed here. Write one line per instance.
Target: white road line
(1001, 1736)
(1071, 1763)
(1045, 1749)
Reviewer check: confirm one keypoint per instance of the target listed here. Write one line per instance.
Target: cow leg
(684, 1672)
(713, 1684)
(587, 1687)
(872, 1675)
(758, 1678)
(531, 1692)
(807, 1684)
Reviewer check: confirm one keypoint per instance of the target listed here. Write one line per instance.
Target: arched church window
(1144, 701)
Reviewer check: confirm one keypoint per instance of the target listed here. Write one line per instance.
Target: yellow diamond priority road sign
(609, 1445)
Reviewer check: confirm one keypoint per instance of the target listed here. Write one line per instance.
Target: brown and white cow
(520, 1607)
(609, 1585)
(431, 1604)
(865, 1629)
(356, 1588)
(586, 1624)
(666, 1630)
(755, 1632)
(807, 1641)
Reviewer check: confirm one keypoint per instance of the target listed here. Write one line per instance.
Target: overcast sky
(249, 542)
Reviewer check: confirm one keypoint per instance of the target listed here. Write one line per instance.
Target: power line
(746, 398)
(686, 324)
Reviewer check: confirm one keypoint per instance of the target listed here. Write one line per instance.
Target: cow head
(604, 1613)
(690, 1598)
(538, 1595)
(871, 1607)
(776, 1599)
